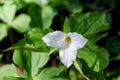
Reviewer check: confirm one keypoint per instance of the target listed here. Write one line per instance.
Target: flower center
(67, 39)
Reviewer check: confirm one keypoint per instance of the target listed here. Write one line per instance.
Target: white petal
(54, 39)
(67, 56)
(77, 40)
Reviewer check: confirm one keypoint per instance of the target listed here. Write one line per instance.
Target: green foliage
(8, 71)
(34, 19)
(96, 58)
(92, 57)
(66, 27)
(88, 24)
(21, 23)
(3, 31)
(32, 61)
(7, 12)
(45, 74)
(38, 16)
(41, 16)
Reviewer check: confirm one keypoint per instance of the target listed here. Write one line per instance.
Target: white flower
(68, 43)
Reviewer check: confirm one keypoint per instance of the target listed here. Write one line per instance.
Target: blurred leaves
(7, 12)
(21, 23)
(41, 16)
(8, 71)
(3, 31)
(32, 61)
(38, 16)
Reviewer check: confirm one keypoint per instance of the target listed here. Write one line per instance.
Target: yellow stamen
(67, 39)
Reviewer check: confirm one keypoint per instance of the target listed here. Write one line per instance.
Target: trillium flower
(68, 43)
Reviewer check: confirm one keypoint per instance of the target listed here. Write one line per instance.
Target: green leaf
(32, 41)
(31, 62)
(74, 8)
(49, 74)
(21, 23)
(38, 61)
(88, 72)
(66, 26)
(78, 65)
(11, 78)
(44, 16)
(95, 57)
(35, 37)
(3, 31)
(35, 14)
(8, 70)
(89, 23)
(93, 39)
(23, 59)
(48, 14)
(7, 12)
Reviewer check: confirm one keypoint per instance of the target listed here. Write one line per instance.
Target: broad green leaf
(95, 57)
(21, 23)
(35, 14)
(31, 62)
(23, 59)
(11, 78)
(7, 12)
(41, 16)
(47, 16)
(88, 72)
(3, 31)
(74, 8)
(35, 36)
(66, 26)
(38, 60)
(32, 41)
(89, 23)
(93, 39)
(8, 70)
(49, 74)
(78, 65)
